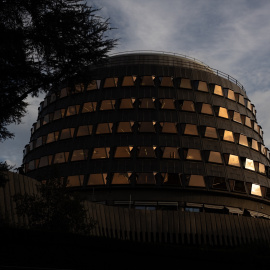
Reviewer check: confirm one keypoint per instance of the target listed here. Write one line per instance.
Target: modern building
(155, 131)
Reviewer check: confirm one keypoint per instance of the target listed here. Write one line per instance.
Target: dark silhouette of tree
(43, 44)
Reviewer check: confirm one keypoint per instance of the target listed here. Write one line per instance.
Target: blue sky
(231, 36)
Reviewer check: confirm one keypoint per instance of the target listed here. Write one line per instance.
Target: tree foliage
(43, 44)
(54, 208)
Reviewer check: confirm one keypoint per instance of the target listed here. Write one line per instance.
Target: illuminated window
(52, 137)
(241, 100)
(93, 85)
(67, 133)
(146, 127)
(171, 179)
(168, 127)
(207, 109)
(263, 149)
(170, 152)
(110, 82)
(249, 164)
(148, 80)
(45, 161)
(210, 132)
(85, 130)
(89, 107)
(193, 154)
(75, 180)
(248, 122)
(123, 151)
(61, 157)
(104, 128)
(254, 145)
(59, 114)
(243, 140)
(255, 127)
(121, 178)
(145, 179)
(234, 160)
(100, 153)
(97, 179)
(237, 117)
(261, 168)
(215, 157)
(202, 86)
(223, 112)
(124, 127)
(228, 136)
(249, 105)
(188, 105)
(147, 103)
(80, 154)
(167, 104)
(231, 94)
(191, 129)
(127, 103)
(79, 88)
(64, 92)
(218, 90)
(146, 151)
(72, 110)
(107, 105)
(196, 181)
(129, 81)
(185, 83)
(256, 190)
(166, 81)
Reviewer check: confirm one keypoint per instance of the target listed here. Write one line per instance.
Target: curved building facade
(155, 131)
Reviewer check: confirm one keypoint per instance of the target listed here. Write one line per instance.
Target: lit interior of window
(104, 128)
(72, 110)
(121, 178)
(146, 178)
(148, 80)
(147, 103)
(249, 164)
(248, 122)
(167, 104)
(249, 105)
(254, 145)
(215, 157)
(168, 127)
(185, 83)
(256, 190)
(237, 117)
(207, 109)
(191, 129)
(194, 154)
(196, 181)
(147, 152)
(123, 151)
(61, 157)
(146, 127)
(100, 153)
(241, 100)
(107, 105)
(67, 133)
(89, 107)
(223, 112)
(52, 137)
(129, 81)
(218, 90)
(92, 85)
(243, 140)
(166, 81)
(79, 88)
(97, 179)
(59, 114)
(234, 160)
(188, 105)
(85, 130)
(210, 132)
(124, 127)
(75, 180)
(231, 94)
(45, 161)
(110, 82)
(170, 152)
(261, 168)
(202, 86)
(80, 154)
(127, 103)
(228, 136)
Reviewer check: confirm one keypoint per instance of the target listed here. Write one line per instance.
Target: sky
(232, 36)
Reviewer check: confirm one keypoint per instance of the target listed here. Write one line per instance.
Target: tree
(54, 208)
(45, 43)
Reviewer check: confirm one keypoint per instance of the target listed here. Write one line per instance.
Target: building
(155, 131)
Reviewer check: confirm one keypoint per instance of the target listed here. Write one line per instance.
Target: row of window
(152, 81)
(169, 179)
(148, 152)
(185, 105)
(148, 127)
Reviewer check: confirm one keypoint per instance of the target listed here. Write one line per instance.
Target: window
(97, 179)
(53, 97)
(218, 90)
(52, 137)
(47, 118)
(193, 154)
(100, 153)
(207, 109)
(67, 133)
(254, 145)
(127, 103)
(80, 154)
(196, 181)
(64, 92)
(145, 179)
(185, 83)
(241, 100)
(93, 85)
(79, 88)
(191, 129)
(110, 82)
(228, 136)
(166, 81)
(38, 142)
(84, 130)
(256, 190)
(121, 178)
(123, 151)
(129, 81)
(202, 86)
(59, 114)
(171, 179)
(188, 105)
(146, 152)
(107, 105)
(147, 103)
(72, 110)
(249, 164)
(234, 160)
(261, 168)
(147, 127)
(104, 128)
(61, 157)
(210, 132)
(147, 81)
(170, 152)
(45, 161)
(125, 127)
(89, 107)
(243, 140)
(255, 126)
(167, 104)
(237, 117)
(231, 94)
(223, 112)
(249, 105)
(215, 157)
(237, 186)
(168, 127)
(218, 182)
(248, 122)
(75, 180)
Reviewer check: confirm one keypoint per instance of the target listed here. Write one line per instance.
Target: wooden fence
(151, 225)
